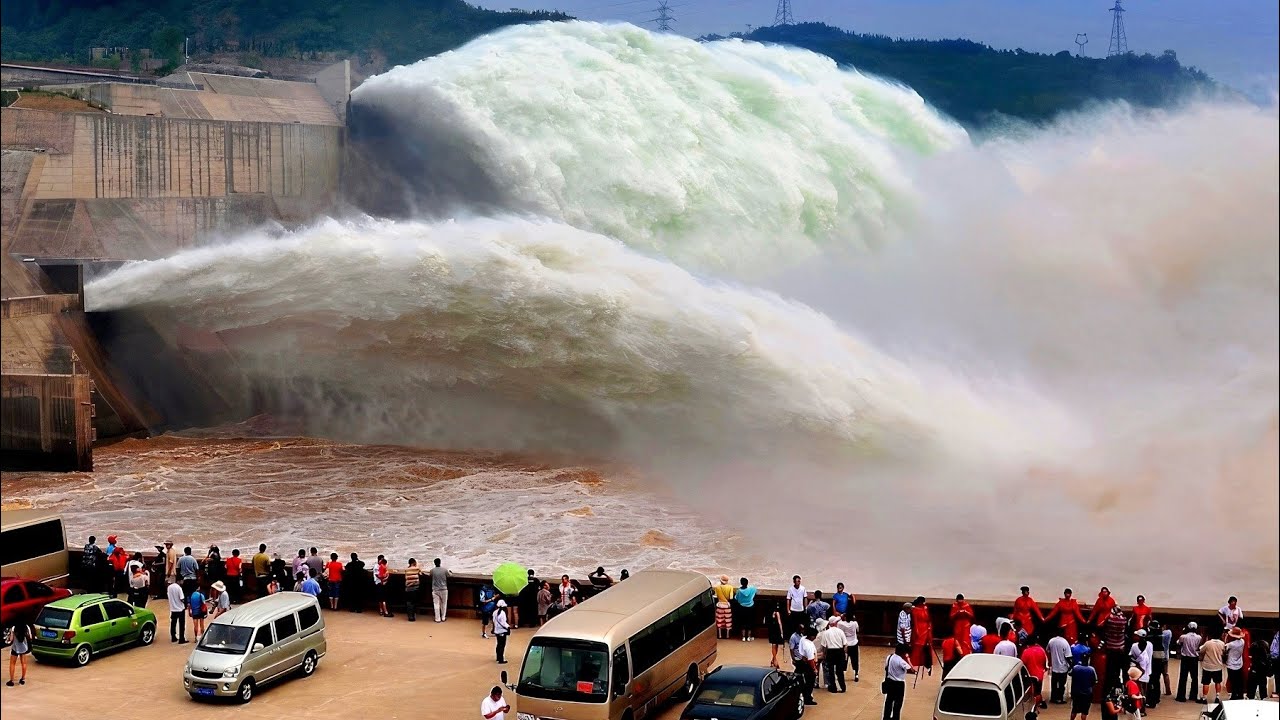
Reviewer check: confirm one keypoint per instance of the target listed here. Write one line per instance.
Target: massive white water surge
(805, 301)
(727, 154)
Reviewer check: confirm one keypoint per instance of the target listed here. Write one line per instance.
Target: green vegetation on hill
(969, 81)
(974, 83)
(402, 31)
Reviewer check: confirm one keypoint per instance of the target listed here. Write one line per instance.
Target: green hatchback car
(81, 626)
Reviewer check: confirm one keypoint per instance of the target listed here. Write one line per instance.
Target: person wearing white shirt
(1140, 654)
(796, 601)
(177, 613)
(833, 643)
(494, 707)
(1188, 662)
(806, 665)
(501, 629)
(1059, 665)
(1008, 648)
(902, 635)
(849, 627)
(1230, 614)
(896, 670)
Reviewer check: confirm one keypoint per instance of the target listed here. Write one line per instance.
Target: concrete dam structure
(140, 172)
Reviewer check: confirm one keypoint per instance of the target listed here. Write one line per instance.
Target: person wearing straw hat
(724, 608)
(1234, 660)
(221, 599)
(1133, 695)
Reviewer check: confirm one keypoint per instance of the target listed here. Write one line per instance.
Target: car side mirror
(503, 677)
(257, 647)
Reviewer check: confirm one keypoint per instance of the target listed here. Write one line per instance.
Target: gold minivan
(254, 644)
(622, 653)
(986, 687)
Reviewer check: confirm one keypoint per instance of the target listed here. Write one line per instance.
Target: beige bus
(623, 653)
(33, 545)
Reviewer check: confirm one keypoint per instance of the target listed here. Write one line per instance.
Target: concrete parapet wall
(134, 187)
(112, 156)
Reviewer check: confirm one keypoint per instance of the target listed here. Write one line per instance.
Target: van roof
(256, 612)
(10, 519)
(595, 617)
(981, 667)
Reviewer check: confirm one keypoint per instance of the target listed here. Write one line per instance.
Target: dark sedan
(742, 692)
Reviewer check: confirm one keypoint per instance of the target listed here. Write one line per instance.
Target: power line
(665, 18)
(1119, 42)
(783, 14)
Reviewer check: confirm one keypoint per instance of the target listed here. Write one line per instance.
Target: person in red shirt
(950, 654)
(1102, 608)
(1025, 608)
(1098, 659)
(333, 572)
(118, 559)
(233, 575)
(961, 625)
(1141, 613)
(1067, 613)
(1037, 662)
(989, 642)
(921, 634)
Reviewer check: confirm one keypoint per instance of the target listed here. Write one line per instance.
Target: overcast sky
(1232, 40)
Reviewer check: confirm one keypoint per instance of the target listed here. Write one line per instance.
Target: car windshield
(56, 618)
(558, 669)
(226, 639)
(727, 694)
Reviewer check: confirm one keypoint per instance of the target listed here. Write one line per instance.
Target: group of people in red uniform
(1027, 626)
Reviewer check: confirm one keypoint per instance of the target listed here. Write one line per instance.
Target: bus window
(562, 669)
(621, 674)
(34, 548)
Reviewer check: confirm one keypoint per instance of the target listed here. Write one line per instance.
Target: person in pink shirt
(1037, 662)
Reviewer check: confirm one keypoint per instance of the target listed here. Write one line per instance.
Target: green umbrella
(510, 578)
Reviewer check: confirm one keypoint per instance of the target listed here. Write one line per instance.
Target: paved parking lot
(385, 668)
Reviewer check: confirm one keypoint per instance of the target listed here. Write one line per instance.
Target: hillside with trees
(975, 84)
(969, 81)
(401, 31)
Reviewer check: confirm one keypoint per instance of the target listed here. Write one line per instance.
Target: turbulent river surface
(797, 320)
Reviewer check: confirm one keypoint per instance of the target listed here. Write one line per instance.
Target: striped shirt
(412, 576)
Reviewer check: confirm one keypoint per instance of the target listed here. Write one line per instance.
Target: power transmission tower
(1082, 39)
(1119, 43)
(783, 15)
(665, 18)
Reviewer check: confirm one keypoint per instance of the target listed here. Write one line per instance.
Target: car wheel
(309, 664)
(4, 637)
(147, 635)
(83, 655)
(245, 693)
(800, 705)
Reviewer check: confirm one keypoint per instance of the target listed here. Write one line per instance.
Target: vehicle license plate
(204, 691)
(48, 634)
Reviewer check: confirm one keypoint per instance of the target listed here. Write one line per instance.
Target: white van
(256, 643)
(987, 687)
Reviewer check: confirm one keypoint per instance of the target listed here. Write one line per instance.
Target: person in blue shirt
(309, 584)
(1080, 652)
(841, 600)
(818, 609)
(744, 603)
(487, 605)
(196, 601)
(1083, 679)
